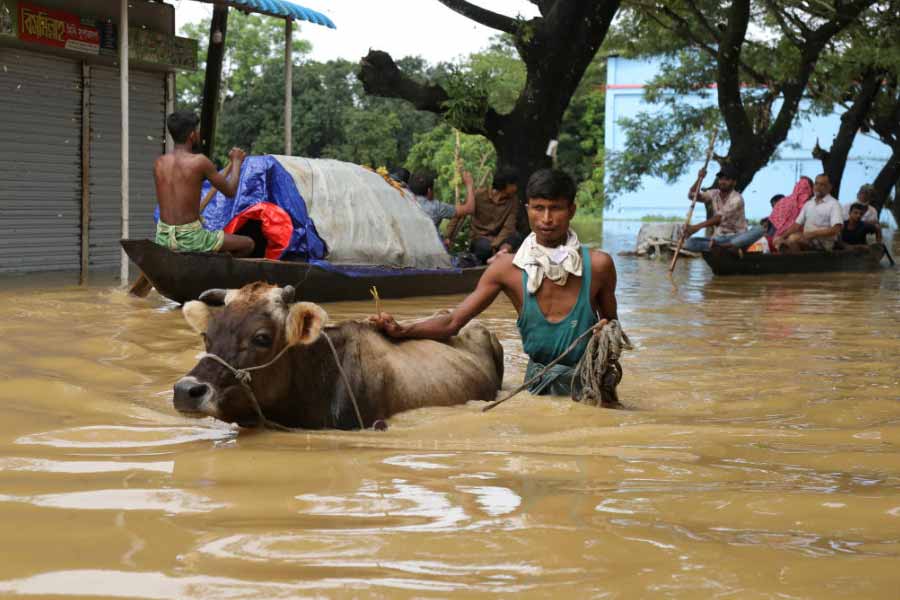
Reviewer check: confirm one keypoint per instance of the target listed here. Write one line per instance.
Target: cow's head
(245, 328)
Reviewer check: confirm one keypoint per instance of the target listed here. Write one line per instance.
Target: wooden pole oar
(142, 285)
(690, 215)
(888, 254)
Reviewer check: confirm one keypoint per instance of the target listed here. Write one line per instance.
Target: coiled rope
(598, 370)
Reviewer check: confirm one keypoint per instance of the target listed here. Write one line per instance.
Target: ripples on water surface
(760, 460)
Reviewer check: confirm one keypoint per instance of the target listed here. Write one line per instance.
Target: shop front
(61, 126)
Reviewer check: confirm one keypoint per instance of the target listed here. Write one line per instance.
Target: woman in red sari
(788, 208)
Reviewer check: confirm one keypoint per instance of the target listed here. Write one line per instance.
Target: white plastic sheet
(362, 218)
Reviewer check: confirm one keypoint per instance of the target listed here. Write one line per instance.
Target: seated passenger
(788, 208)
(422, 185)
(855, 229)
(864, 196)
(818, 224)
(728, 215)
(765, 221)
(179, 177)
(401, 176)
(494, 220)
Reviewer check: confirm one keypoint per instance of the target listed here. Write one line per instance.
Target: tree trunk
(885, 181)
(754, 141)
(834, 160)
(215, 56)
(556, 49)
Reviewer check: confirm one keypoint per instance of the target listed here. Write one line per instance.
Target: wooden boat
(730, 262)
(183, 276)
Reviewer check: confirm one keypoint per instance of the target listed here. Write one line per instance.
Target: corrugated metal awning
(278, 8)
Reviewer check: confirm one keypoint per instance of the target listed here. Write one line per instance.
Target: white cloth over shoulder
(556, 264)
(364, 220)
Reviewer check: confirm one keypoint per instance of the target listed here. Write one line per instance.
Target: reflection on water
(759, 458)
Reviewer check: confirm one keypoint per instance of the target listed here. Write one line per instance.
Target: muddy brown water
(759, 460)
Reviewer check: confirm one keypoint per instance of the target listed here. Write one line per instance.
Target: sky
(400, 27)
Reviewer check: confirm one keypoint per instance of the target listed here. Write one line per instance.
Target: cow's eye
(263, 340)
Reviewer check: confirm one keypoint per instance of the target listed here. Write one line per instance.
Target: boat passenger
(819, 223)
(401, 176)
(787, 209)
(864, 196)
(855, 229)
(728, 218)
(559, 288)
(179, 177)
(421, 183)
(766, 221)
(493, 225)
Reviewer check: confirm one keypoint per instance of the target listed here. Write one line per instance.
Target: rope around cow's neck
(245, 379)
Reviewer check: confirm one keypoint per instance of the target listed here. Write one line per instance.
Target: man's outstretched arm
(442, 327)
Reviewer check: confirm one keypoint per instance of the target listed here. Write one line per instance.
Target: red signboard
(56, 28)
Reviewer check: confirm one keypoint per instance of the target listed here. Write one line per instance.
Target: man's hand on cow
(386, 323)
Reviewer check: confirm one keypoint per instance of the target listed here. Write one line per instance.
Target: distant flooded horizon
(757, 456)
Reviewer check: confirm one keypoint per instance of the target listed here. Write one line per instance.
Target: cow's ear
(304, 323)
(196, 313)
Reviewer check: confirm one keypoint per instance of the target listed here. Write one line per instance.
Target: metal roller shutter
(40, 162)
(147, 141)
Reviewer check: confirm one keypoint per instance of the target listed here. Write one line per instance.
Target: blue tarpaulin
(263, 179)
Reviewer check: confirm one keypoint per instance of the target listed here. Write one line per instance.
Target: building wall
(46, 94)
(625, 98)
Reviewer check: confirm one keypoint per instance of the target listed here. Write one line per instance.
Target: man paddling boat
(559, 288)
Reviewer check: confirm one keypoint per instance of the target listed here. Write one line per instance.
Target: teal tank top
(542, 340)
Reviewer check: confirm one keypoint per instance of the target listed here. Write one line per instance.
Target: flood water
(759, 458)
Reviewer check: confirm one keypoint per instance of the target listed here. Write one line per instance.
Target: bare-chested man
(179, 177)
(559, 288)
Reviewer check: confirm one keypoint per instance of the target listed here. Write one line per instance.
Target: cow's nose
(189, 394)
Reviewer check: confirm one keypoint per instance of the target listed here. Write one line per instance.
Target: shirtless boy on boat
(179, 177)
(559, 288)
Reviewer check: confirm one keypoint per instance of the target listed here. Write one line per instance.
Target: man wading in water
(557, 285)
(179, 177)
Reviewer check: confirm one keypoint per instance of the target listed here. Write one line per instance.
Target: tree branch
(785, 29)
(486, 17)
(698, 14)
(381, 77)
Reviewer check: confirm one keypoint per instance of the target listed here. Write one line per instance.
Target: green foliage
(332, 117)
(492, 78)
(581, 137)
(251, 43)
(468, 99)
(436, 151)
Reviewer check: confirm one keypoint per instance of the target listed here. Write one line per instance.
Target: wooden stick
(690, 215)
(142, 285)
(374, 291)
(456, 175)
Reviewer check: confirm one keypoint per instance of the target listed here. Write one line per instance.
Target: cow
(303, 387)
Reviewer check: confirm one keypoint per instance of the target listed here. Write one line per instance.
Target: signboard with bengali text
(56, 28)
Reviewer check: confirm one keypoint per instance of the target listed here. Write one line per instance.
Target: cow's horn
(287, 294)
(213, 297)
